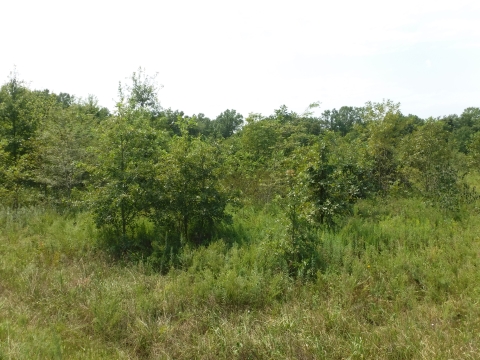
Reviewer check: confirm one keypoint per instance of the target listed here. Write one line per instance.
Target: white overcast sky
(252, 56)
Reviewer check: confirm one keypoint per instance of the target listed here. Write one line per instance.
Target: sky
(251, 56)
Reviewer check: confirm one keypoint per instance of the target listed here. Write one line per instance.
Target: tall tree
(385, 126)
(61, 153)
(21, 112)
(227, 123)
(342, 120)
(474, 152)
(336, 179)
(127, 157)
(142, 92)
(428, 161)
(191, 202)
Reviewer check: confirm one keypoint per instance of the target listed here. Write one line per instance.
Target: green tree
(168, 121)
(336, 180)
(300, 245)
(61, 153)
(90, 108)
(474, 152)
(17, 124)
(204, 125)
(254, 160)
(227, 123)
(259, 138)
(65, 100)
(343, 119)
(428, 161)
(385, 127)
(125, 170)
(463, 127)
(142, 93)
(127, 161)
(190, 201)
(21, 113)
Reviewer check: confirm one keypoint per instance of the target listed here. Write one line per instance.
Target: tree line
(184, 175)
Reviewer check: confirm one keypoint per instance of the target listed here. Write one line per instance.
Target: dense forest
(144, 232)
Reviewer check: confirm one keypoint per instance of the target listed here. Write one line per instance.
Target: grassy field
(399, 280)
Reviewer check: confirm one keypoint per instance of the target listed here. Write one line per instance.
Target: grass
(398, 281)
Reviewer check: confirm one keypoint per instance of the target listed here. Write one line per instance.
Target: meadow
(400, 280)
(146, 233)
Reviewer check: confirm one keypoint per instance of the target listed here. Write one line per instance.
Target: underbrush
(398, 280)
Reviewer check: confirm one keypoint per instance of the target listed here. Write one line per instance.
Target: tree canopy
(184, 175)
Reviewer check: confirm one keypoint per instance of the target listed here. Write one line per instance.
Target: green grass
(399, 280)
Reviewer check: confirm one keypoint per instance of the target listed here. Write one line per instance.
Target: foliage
(335, 181)
(61, 155)
(190, 201)
(300, 245)
(349, 235)
(342, 120)
(21, 113)
(17, 123)
(462, 128)
(168, 120)
(428, 162)
(227, 123)
(159, 182)
(142, 93)
(127, 156)
(400, 281)
(384, 130)
(474, 151)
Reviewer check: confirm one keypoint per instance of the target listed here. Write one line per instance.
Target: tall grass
(399, 280)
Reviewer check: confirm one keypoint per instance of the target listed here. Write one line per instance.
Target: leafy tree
(262, 149)
(61, 152)
(168, 121)
(128, 161)
(474, 151)
(66, 100)
(204, 125)
(91, 108)
(385, 127)
(254, 160)
(301, 245)
(227, 123)
(125, 169)
(342, 120)
(282, 115)
(259, 137)
(142, 93)
(4, 178)
(21, 113)
(199, 125)
(463, 127)
(190, 199)
(471, 117)
(336, 180)
(377, 111)
(428, 162)
(17, 123)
